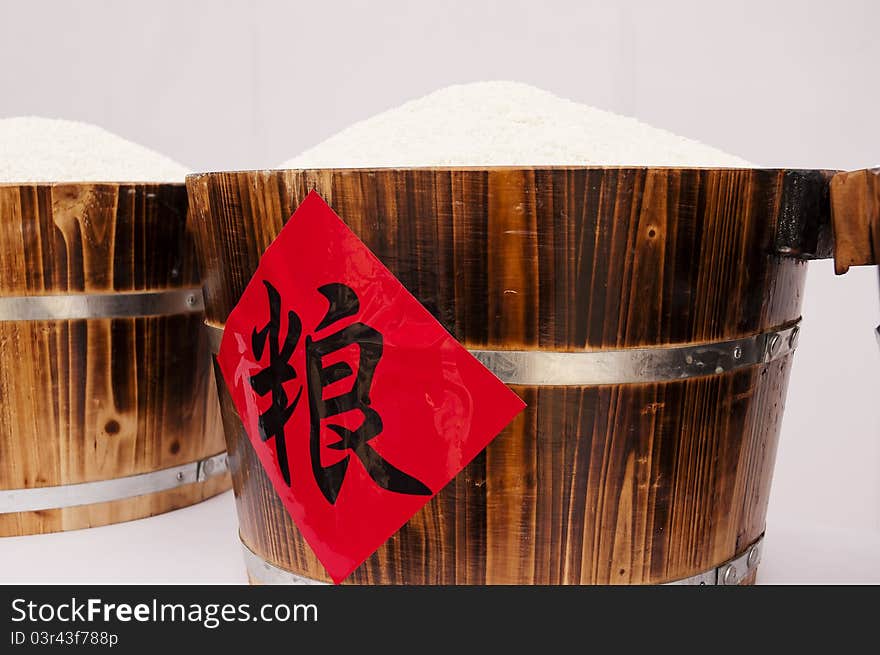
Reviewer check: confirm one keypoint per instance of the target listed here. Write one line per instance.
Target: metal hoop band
(629, 365)
(102, 491)
(732, 572)
(262, 572)
(101, 305)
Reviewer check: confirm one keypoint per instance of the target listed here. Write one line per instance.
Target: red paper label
(360, 405)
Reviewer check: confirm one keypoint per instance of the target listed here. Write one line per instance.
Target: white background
(221, 85)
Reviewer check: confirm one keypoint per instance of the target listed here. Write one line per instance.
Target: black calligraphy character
(272, 378)
(344, 303)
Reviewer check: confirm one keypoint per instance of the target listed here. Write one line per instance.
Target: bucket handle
(855, 218)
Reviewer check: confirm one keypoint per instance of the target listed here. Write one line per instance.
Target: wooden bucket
(107, 408)
(646, 316)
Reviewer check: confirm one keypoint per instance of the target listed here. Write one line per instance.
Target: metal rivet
(738, 352)
(180, 476)
(689, 359)
(208, 466)
(754, 556)
(793, 338)
(728, 575)
(774, 344)
(191, 300)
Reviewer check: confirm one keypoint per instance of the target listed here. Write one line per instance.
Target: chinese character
(272, 378)
(343, 304)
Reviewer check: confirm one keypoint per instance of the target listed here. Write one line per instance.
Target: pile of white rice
(36, 149)
(505, 123)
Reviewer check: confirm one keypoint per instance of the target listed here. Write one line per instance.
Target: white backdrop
(222, 85)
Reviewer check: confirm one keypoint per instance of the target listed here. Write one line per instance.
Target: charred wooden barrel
(107, 407)
(646, 316)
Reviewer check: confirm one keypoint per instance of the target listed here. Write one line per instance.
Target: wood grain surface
(855, 213)
(636, 483)
(86, 400)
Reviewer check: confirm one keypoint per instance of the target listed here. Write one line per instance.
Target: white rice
(36, 149)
